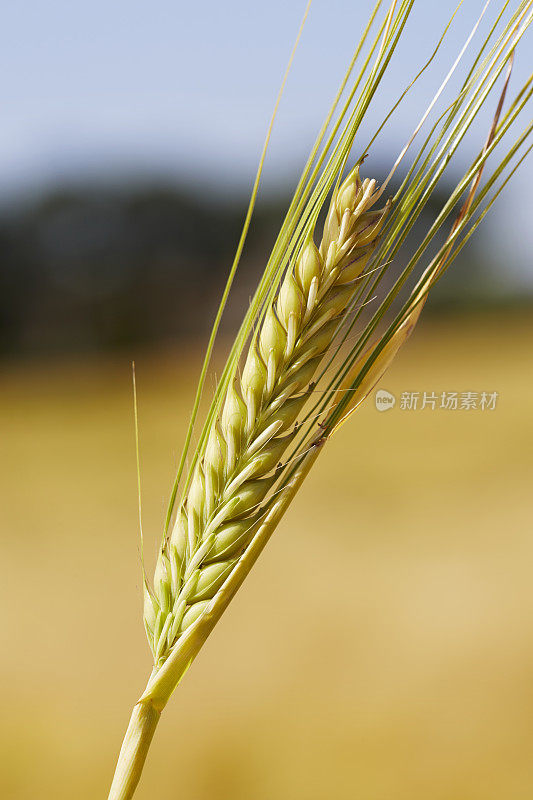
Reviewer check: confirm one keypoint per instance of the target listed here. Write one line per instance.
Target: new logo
(384, 400)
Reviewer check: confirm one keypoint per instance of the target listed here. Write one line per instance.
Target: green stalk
(141, 728)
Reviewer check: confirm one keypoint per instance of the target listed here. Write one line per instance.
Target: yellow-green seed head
(253, 376)
(208, 580)
(178, 537)
(348, 191)
(232, 538)
(290, 300)
(251, 436)
(250, 495)
(233, 415)
(272, 338)
(215, 453)
(309, 266)
(162, 582)
(196, 498)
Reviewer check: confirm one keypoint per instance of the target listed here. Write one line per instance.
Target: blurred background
(383, 645)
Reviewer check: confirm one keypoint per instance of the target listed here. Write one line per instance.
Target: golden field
(382, 648)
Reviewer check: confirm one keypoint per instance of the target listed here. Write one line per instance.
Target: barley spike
(220, 514)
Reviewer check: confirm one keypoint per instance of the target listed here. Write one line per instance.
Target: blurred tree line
(103, 268)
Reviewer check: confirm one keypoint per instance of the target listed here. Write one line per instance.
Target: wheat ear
(223, 506)
(222, 512)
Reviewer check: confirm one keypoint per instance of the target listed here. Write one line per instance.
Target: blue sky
(180, 89)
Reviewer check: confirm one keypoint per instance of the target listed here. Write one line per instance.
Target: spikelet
(220, 514)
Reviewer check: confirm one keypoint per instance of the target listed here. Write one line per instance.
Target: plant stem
(143, 722)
